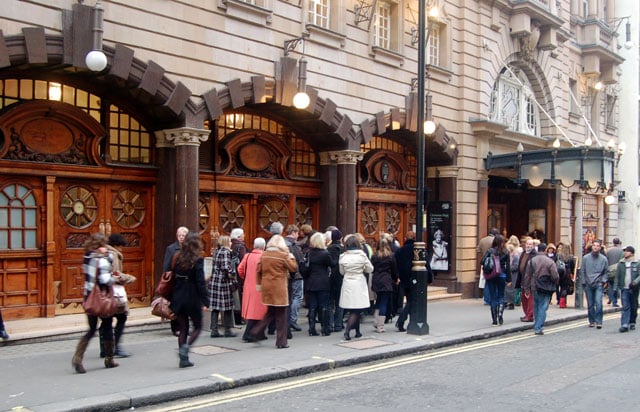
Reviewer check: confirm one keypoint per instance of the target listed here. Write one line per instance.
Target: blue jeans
(629, 298)
(613, 296)
(296, 291)
(540, 306)
(594, 303)
(496, 290)
(382, 302)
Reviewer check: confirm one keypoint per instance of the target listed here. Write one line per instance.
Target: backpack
(490, 265)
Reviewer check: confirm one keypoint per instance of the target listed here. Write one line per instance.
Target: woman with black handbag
(97, 269)
(189, 294)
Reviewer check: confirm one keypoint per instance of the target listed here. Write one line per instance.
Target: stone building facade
(192, 123)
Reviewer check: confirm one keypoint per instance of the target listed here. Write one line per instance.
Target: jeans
(613, 296)
(594, 303)
(485, 294)
(629, 298)
(496, 290)
(296, 287)
(540, 306)
(382, 302)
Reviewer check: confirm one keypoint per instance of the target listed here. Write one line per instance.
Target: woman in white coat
(354, 295)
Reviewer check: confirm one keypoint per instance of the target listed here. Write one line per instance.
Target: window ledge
(439, 73)
(386, 56)
(612, 130)
(574, 117)
(241, 10)
(326, 37)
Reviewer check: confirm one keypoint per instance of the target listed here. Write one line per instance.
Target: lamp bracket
(291, 45)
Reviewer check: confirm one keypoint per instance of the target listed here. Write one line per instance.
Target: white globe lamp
(96, 60)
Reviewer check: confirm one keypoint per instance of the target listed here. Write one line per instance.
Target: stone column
(347, 160)
(328, 195)
(187, 143)
(577, 245)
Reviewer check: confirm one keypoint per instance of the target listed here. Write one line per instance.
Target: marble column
(346, 188)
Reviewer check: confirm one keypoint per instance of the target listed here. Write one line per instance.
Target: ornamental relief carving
(254, 153)
(385, 170)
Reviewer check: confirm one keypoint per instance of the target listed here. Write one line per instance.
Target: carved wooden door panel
(376, 218)
(88, 207)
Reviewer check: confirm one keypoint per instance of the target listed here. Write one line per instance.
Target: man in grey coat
(614, 254)
(594, 273)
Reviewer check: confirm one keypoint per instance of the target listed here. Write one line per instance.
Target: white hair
(276, 228)
(327, 236)
(259, 243)
(237, 233)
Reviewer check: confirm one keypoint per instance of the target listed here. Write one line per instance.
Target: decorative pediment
(254, 153)
(384, 170)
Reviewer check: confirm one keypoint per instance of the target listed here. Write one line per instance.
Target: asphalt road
(572, 367)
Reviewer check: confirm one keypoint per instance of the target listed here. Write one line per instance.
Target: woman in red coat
(253, 310)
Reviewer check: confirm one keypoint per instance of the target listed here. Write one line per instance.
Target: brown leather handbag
(100, 302)
(160, 307)
(166, 284)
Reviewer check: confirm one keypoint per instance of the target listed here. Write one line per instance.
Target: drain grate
(366, 343)
(209, 350)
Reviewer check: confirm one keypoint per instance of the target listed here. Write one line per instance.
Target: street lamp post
(418, 318)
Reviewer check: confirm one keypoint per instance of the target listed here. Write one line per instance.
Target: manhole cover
(209, 350)
(366, 343)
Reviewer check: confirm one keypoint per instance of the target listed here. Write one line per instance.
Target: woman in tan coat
(272, 277)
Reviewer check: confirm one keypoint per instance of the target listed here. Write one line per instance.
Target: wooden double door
(108, 207)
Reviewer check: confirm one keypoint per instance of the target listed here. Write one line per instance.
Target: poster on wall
(588, 235)
(439, 235)
(538, 224)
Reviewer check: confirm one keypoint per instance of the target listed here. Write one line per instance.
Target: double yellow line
(361, 370)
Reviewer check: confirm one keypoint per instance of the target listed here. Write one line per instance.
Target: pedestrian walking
(594, 274)
(404, 263)
(220, 289)
(318, 284)
(354, 293)
(114, 248)
(540, 281)
(97, 269)
(189, 294)
(171, 250)
(272, 280)
(253, 310)
(496, 285)
(614, 255)
(627, 280)
(525, 301)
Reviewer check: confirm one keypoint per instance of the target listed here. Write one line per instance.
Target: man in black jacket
(404, 260)
(171, 250)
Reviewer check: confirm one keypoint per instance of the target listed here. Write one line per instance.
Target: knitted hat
(336, 235)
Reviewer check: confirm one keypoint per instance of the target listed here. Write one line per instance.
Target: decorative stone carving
(186, 136)
(350, 157)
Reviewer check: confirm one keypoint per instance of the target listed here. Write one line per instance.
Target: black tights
(105, 327)
(353, 321)
(183, 327)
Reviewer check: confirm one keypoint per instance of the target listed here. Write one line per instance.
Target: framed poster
(537, 223)
(439, 235)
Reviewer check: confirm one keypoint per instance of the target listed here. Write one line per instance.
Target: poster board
(439, 235)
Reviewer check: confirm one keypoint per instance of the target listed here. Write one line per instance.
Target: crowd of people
(341, 279)
(531, 272)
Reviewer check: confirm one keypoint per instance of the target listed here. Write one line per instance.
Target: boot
(119, 352)
(109, 347)
(500, 312)
(378, 322)
(228, 324)
(183, 353)
(312, 322)
(214, 324)
(76, 361)
(101, 336)
(325, 315)
(494, 315)
(563, 303)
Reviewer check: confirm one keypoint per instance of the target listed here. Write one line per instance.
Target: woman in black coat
(189, 294)
(317, 283)
(385, 275)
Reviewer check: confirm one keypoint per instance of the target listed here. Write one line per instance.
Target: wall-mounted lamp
(96, 60)
(618, 22)
(301, 99)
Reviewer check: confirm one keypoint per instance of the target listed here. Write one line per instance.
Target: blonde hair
(318, 241)
(224, 241)
(278, 242)
(513, 240)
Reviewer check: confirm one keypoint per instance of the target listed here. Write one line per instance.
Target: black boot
(183, 353)
(500, 312)
(101, 337)
(312, 322)
(494, 315)
(325, 314)
(214, 324)
(228, 324)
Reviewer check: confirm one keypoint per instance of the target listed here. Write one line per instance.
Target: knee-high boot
(500, 313)
(214, 324)
(228, 324)
(183, 353)
(312, 322)
(326, 328)
(76, 361)
(109, 348)
(101, 337)
(494, 315)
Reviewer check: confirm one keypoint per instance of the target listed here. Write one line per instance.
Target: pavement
(37, 373)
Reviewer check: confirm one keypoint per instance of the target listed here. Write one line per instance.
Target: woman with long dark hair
(354, 294)
(385, 275)
(497, 284)
(189, 294)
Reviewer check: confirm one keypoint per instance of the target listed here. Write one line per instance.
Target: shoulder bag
(160, 307)
(167, 281)
(100, 303)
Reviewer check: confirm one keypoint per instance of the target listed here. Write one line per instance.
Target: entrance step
(439, 293)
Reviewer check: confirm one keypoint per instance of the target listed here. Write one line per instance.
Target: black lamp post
(418, 318)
